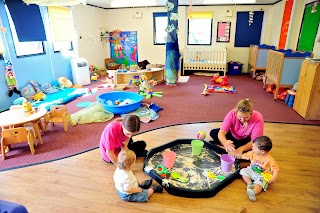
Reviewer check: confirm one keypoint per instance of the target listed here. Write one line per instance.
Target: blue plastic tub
(120, 96)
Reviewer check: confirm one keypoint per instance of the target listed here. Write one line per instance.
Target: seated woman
(239, 128)
(117, 136)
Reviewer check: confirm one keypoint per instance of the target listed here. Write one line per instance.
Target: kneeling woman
(239, 128)
(118, 135)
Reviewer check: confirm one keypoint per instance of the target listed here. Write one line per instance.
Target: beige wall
(89, 20)
(316, 48)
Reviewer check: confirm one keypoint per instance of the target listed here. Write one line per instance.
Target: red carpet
(182, 104)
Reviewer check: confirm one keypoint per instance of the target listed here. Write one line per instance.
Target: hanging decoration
(11, 79)
(172, 47)
(251, 14)
(190, 6)
(314, 7)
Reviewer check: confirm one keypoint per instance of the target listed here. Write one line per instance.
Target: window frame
(188, 34)
(156, 15)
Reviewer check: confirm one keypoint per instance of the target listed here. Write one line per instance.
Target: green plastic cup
(197, 146)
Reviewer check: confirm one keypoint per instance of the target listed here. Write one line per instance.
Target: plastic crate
(234, 68)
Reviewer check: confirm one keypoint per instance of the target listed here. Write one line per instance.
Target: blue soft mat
(61, 97)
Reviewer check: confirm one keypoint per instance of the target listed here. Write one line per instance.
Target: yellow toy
(27, 106)
(39, 96)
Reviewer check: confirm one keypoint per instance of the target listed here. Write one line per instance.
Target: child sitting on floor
(261, 164)
(126, 183)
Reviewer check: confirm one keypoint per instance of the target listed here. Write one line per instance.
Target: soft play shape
(64, 82)
(84, 104)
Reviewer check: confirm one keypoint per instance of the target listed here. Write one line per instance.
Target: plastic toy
(177, 176)
(145, 87)
(27, 106)
(201, 135)
(205, 90)
(162, 171)
(39, 96)
(266, 176)
(223, 80)
(211, 175)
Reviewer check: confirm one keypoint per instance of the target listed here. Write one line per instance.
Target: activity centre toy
(191, 176)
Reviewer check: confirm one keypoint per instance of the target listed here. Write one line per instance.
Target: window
(199, 28)
(62, 28)
(62, 45)
(160, 23)
(24, 48)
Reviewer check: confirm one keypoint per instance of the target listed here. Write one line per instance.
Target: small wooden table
(16, 117)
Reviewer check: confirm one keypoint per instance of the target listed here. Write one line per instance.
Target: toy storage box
(234, 68)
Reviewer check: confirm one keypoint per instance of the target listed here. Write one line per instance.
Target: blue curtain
(27, 21)
(172, 46)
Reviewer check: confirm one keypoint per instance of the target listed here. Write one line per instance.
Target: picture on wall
(124, 47)
(223, 31)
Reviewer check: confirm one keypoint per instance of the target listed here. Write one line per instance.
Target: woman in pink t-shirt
(118, 135)
(239, 128)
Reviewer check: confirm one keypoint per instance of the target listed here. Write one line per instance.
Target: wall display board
(223, 31)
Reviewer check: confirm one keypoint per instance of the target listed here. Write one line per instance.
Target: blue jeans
(135, 197)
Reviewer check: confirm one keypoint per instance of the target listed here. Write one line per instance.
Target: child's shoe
(250, 186)
(251, 194)
(146, 184)
(157, 188)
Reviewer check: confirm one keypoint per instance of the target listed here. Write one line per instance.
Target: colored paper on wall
(285, 24)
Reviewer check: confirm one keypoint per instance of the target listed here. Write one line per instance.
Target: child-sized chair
(16, 135)
(58, 113)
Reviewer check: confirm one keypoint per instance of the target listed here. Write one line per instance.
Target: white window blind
(61, 23)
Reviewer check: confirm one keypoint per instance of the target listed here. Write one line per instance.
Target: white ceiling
(146, 3)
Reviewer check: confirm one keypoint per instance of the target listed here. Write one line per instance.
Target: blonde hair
(126, 158)
(244, 106)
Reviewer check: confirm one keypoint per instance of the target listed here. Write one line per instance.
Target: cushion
(28, 92)
(48, 89)
(36, 86)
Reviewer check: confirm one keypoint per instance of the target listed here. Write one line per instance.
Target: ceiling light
(133, 3)
(229, 1)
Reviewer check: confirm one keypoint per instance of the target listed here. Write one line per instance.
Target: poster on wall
(285, 24)
(223, 31)
(124, 47)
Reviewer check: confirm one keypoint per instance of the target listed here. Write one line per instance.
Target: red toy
(220, 80)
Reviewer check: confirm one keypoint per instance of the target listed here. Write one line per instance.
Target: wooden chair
(58, 113)
(16, 135)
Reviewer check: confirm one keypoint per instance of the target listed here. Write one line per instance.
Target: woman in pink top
(239, 128)
(117, 135)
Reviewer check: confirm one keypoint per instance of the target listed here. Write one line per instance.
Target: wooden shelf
(124, 78)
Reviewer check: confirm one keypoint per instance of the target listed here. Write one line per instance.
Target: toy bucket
(226, 162)
(197, 146)
(169, 157)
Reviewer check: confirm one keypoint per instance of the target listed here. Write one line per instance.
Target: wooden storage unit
(124, 78)
(307, 100)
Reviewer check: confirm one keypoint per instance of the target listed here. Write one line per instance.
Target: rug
(206, 73)
(181, 104)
